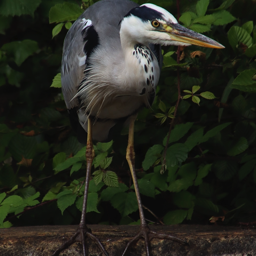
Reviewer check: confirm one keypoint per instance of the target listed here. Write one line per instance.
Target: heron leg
(83, 230)
(144, 229)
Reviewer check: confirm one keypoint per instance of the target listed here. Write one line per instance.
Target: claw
(79, 236)
(148, 236)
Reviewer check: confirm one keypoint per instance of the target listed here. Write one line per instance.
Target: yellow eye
(155, 23)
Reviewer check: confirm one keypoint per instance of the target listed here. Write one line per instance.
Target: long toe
(80, 236)
(148, 235)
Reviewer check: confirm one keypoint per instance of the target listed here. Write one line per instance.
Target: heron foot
(80, 236)
(148, 235)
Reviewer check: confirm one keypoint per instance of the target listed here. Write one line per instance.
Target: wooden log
(202, 240)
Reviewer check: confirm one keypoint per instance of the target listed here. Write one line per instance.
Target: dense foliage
(204, 169)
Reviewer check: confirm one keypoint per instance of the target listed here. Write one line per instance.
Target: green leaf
(207, 206)
(225, 4)
(104, 147)
(201, 7)
(188, 174)
(92, 202)
(95, 188)
(160, 115)
(178, 132)
(224, 170)
(50, 114)
(183, 199)
(248, 26)
(64, 12)
(251, 51)
(4, 209)
(13, 201)
(108, 193)
(246, 169)
(159, 180)
(240, 146)
(6, 224)
(214, 131)
(152, 155)
(187, 91)
(58, 159)
(207, 95)
(195, 88)
(169, 53)
(110, 179)
(65, 199)
(20, 50)
(186, 96)
(194, 139)
(146, 187)
(238, 35)
(125, 203)
(200, 28)
(106, 162)
(162, 106)
(67, 163)
(222, 18)
(68, 25)
(56, 30)
(244, 81)
(18, 7)
(188, 171)
(186, 18)
(169, 61)
(76, 167)
(2, 196)
(49, 196)
(98, 176)
(202, 172)
(175, 217)
(14, 77)
(176, 154)
(171, 110)
(208, 19)
(196, 99)
(23, 146)
(81, 152)
(180, 184)
(99, 159)
(245, 78)
(5, 23)
(56, 82)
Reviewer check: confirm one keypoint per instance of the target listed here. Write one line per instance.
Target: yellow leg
(83, 231)
(130, 157)
(144, 229)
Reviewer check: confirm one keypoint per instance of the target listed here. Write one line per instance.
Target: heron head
(149, 23)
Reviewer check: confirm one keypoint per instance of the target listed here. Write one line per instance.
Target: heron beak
(181, 34)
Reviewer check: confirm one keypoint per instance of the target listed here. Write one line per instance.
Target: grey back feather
(105, 16)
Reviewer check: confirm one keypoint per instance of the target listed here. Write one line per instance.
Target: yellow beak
(181, 34)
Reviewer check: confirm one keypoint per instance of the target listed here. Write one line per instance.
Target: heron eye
(155, 23)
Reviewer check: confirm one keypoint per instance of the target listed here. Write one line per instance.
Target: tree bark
(202, 240)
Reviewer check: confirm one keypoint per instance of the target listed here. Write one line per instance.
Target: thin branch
(153, 214)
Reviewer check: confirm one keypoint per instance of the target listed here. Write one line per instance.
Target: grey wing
(74, 61)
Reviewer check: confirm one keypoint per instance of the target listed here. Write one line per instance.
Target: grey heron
(110, 68)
